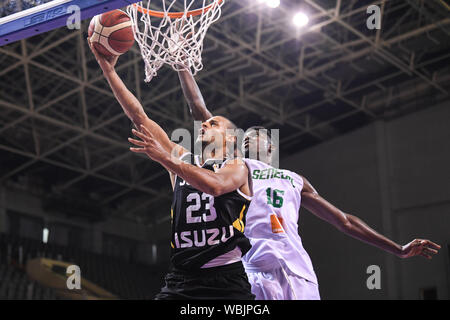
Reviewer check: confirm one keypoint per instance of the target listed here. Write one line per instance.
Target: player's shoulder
(305, 184)
(296, 176)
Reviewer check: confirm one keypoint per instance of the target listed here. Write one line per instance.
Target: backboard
(50, 15)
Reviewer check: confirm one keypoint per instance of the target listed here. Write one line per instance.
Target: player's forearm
(193, 96)
(134, 110)
(347, 223)
(204, 180)
(356, 228)
(130, 104)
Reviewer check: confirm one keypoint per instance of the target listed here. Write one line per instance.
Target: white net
(174, 34)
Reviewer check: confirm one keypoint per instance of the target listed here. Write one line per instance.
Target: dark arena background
(363, 113)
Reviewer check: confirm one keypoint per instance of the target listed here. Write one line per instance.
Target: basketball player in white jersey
(277, 265)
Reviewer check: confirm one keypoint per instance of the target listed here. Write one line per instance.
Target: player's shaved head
(229, 124)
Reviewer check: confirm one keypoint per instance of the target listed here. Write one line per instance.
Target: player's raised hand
(106, 63)
(420, 247)
(148, 145)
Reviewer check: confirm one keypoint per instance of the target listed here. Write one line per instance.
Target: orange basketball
(111, 33)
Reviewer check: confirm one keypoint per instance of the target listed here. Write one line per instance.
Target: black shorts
(228, 282)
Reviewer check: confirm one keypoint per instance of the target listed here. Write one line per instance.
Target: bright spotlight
(272, 3)
(300, 19)
(45, 235)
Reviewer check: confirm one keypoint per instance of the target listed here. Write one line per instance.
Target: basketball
(110, 33)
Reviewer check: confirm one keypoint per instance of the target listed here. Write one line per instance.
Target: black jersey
(205, 227)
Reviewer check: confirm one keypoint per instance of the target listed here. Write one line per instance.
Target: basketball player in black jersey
(210, 202)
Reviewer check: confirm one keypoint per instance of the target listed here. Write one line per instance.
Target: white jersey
(272, 220)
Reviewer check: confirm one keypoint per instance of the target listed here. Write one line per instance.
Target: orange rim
(176, 15)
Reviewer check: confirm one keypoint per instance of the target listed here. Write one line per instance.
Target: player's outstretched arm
(356, 228)
(193, 96)
(130, 104)
(233, 175)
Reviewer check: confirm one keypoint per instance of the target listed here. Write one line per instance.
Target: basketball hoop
(172, 37)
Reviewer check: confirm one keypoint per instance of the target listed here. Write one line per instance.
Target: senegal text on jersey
(271, 173)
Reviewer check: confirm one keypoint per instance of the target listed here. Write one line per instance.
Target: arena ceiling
(62, 133)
